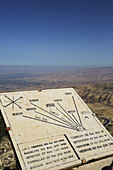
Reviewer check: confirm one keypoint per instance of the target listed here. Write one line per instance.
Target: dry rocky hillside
(96, 93)
(99, 98)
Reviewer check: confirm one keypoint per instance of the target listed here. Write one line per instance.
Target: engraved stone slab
(53, 129)
(48, 153)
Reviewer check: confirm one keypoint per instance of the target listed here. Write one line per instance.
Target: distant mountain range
(97, 93)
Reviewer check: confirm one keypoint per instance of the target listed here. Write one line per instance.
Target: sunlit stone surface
(53, 129)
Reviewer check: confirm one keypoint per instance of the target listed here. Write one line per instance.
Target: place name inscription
(34, 100)
(17, 114)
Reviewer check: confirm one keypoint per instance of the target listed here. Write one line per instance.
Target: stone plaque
(53, 129)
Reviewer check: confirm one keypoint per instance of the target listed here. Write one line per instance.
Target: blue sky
(56, 32)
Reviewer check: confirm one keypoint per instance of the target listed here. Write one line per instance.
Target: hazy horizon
(29, 69)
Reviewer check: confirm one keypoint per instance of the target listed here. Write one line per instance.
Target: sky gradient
(56, 32)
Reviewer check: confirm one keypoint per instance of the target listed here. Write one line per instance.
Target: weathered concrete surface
(98, 165)
(53, 129)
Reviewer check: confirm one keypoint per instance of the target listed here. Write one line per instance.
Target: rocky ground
(7, 157)
(99, 98)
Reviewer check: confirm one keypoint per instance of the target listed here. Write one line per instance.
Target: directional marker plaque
(53, 129)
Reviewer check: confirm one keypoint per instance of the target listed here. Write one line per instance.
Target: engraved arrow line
(64, 120)
(54, 119)
(8, 104)
(8, 98)
(19, 99)
(67, 113)
(49, 113)
(77, 110)
(76, 119)
(13, 103)
(50, 123)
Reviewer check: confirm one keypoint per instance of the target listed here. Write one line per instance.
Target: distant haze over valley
(14, 78)
(4, 69)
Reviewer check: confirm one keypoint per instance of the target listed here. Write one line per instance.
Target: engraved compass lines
(69, 116)
(77, 110)
(57, 115)
(54, 118)
(13, 102)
